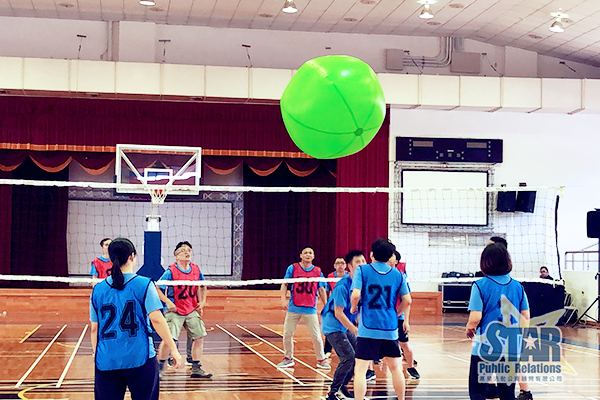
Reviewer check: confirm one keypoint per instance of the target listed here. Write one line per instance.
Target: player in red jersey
(101, 265)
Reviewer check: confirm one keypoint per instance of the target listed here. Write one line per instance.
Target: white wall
(539, 149)
(196, 45)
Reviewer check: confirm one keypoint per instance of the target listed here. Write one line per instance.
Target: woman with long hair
(123, 309)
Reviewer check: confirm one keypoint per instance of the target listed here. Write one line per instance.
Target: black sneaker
(198, 372)
(370, 375)
(412, 371)
(491, 391)
(346, 393)
(524, 395)
(333, 396)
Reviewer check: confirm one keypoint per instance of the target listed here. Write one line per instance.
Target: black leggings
(142, 382)
(477, 389)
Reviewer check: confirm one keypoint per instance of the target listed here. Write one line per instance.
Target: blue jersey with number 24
(123, 325)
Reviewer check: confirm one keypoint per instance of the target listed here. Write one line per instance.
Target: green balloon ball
(333, 106)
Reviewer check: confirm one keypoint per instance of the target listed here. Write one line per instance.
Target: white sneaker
(286, 363)
(322, 364)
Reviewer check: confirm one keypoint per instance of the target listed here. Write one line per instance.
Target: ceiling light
(147, 3)
(426, 13)
(557, 26)
(559, 19)
(289, 7)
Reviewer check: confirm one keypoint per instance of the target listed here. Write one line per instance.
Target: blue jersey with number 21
(123, 325)
(380, 287)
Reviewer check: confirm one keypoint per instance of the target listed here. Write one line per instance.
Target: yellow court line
(274, 331)
(30, 333)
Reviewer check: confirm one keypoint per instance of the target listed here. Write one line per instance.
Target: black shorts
(376, 349)
(402, 336)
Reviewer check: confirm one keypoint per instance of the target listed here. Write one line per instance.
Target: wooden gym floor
(46, 358)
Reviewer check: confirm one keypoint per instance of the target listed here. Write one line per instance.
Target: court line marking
(458, 358)
(30, 333)
(276, 332)
(64, 373)
(39, 358)
(275, 347)
(261, 356)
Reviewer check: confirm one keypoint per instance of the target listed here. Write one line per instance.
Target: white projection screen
(444, 198)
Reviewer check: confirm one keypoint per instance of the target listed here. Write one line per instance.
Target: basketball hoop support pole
(153, 220)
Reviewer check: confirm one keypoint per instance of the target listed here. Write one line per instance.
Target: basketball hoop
(158, 194)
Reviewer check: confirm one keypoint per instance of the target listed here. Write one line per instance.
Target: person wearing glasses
(185, 305)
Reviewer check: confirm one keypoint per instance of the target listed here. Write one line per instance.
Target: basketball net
(158, 194)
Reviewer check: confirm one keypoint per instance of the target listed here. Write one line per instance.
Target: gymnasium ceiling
(519, 23)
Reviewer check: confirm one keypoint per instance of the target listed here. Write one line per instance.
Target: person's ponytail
(119, 251)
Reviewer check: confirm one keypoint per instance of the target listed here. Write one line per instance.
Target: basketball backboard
(139, 168)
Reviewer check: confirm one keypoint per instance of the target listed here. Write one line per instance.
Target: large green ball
(333, 106)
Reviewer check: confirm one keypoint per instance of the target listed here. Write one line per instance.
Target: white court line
(261, 356)
(457, 358)
(39, 358)
(62, 377)
(275, 347)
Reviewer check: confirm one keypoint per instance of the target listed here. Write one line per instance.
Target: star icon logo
(530, 342)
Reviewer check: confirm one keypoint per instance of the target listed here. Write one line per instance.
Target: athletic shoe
(345, 392)
(333, 396)
(328, 356)
(370, 375)
(413, 373)
(322, 364)
(286, 363)
(198, 372)
(524, 395)
(491, 391)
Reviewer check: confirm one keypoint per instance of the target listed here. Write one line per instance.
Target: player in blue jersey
(302, 305)
(122, 309)
(378, 287)
(403, 322)
(339, 271)
(339, 329)
(485, 308)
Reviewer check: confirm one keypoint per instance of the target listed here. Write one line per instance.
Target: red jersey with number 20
(185, 297)
(305, 293)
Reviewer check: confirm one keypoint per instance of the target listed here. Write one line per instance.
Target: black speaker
(507, 202)
(593, 224)
(525, 201)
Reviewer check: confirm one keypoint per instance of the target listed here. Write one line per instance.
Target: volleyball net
(439, 232)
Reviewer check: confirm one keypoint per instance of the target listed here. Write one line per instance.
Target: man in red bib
(184, 306)
(302, 304)
(101, 265)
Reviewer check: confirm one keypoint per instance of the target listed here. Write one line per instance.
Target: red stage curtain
(70, 124)
(361, 218)
(97, 163)
(5, 223)
(277, 225)
(39, 227)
